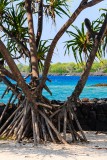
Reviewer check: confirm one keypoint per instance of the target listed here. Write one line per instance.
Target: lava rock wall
(93, 115)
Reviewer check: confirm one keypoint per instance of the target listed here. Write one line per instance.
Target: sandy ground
(95, 150)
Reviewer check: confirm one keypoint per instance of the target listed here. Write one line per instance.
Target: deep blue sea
(62, 87)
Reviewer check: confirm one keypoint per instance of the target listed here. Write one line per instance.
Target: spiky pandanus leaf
(15, 24)
(57, 7)
(3, 7)
(42, 51)
(81, 45)
(78, 43)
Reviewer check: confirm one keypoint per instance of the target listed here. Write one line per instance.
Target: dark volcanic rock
(2, 106)
(57, 102)
(104, 107)
(92, 114)
(85, 100)
(101, 126)
(100, 85)
(9, 111)
(94, 100)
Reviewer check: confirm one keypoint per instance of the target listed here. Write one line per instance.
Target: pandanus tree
(35, 115)
(82, 43)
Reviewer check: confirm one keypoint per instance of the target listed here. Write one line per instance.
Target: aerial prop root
(46, 123)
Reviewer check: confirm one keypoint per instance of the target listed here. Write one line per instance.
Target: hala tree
(101, 35)
(83, 42)
(35, 113)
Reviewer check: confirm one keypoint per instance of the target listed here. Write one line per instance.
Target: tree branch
(92, 3)
(7, 73)
(10, 85)
(81, 7)
(40, 23)
(15, 71)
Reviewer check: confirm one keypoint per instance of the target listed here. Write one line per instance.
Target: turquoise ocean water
(62, 87)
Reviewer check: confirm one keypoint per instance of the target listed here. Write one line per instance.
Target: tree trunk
(40, 23)
(33, 49)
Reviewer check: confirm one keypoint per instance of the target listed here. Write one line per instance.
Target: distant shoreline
(79, 74)
(73, 74)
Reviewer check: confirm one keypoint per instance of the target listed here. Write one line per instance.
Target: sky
(50, 29)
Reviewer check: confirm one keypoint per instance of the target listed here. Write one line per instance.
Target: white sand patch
(95, 150)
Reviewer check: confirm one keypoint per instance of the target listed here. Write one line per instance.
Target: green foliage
(58, 68)
(24, 68)
(15, 23)
(96, 67)
(42, 51)
(3, 8)
(71, 68)
(65, 68)
(57, 7)
(81, 43)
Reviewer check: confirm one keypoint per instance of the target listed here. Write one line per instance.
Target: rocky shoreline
(73, 74)
(79, 74)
